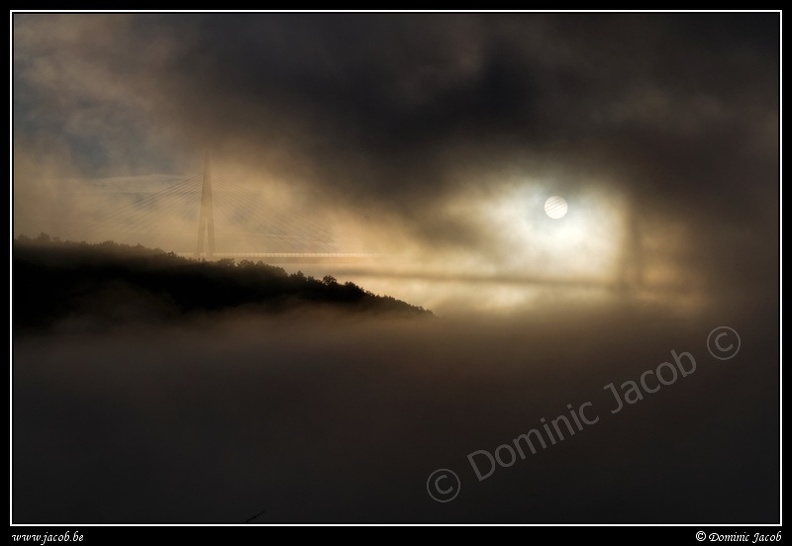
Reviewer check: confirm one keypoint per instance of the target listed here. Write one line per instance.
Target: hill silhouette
(110, 283)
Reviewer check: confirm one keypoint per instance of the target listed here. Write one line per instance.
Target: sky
(430, 138)
(433, 141)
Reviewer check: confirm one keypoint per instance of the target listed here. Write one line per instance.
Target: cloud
(394, 116)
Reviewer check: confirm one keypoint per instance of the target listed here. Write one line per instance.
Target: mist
(417, 157)
(328, 418)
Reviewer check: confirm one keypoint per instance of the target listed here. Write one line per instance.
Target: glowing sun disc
(556, 207)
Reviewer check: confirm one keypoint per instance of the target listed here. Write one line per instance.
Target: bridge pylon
(206, 217)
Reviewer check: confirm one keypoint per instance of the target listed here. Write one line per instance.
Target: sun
(556, 207)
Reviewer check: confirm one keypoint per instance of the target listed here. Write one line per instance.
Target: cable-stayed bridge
(206, 216)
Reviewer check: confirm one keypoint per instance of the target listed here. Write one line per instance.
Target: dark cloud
(402, 88)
